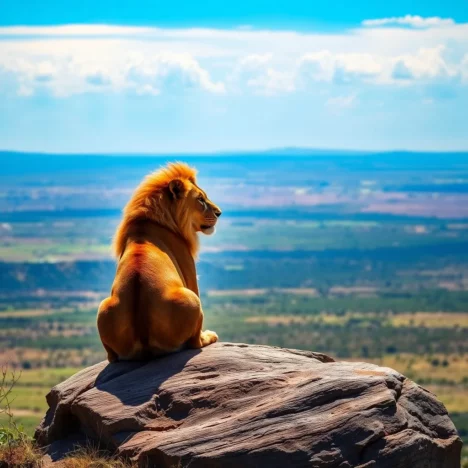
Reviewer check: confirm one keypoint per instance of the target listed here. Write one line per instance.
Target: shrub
(16, 448)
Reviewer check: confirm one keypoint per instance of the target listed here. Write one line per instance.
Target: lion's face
(193, 207)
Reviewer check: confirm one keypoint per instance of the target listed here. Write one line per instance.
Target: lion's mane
(150, 202)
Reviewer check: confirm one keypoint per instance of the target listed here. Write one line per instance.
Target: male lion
(154, 307)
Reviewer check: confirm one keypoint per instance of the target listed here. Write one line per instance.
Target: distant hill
(19, 163)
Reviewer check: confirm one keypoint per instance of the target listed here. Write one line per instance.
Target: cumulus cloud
(75, 30)
(426, 64)
(414, 21)
(340, 68)
(67, 60)
(263, 75)
(423, 65)
(71, 66)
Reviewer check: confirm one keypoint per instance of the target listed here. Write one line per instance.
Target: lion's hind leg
(176, 322)
(111, 354)
(115, 329)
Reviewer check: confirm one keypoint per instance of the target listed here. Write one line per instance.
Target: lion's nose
(217, 213)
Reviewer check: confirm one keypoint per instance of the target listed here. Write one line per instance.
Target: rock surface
(237, 405)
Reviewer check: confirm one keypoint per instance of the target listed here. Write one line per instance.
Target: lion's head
(171, 198)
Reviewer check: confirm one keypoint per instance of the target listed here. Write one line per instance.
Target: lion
(154, 307)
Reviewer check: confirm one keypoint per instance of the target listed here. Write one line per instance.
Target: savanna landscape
(362, 256)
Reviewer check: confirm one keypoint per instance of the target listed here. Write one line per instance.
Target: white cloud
(75, 30)
(425, 64)
(273, 82)
(255, 60)
(73, 59)
(414, 21)
(71, 66)
(340, 68)
(258, 72)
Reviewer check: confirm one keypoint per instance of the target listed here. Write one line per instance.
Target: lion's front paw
(207, 337)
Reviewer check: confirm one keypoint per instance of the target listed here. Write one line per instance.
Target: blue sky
(148, 77)
(214, 13)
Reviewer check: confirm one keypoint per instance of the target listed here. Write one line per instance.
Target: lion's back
(148, 265)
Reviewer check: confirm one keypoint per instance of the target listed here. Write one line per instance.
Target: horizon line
(267, 151)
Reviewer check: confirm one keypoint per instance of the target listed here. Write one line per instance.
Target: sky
(146, 77)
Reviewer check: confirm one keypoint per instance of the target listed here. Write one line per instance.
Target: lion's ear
(176, 188)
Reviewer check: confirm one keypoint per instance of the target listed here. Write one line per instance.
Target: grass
(20, 454)
(454, 399)
(46, 377)
(91, 456)
(431, 320)
(52, 251)
(416, 320)
(35, 312)
(16, 447)
(436, 369)
(27, 397)
(326, 319)
(27, 424)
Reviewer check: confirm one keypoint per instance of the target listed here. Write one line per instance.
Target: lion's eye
(202, 202)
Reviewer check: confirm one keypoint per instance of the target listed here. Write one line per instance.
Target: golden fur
(154, 306)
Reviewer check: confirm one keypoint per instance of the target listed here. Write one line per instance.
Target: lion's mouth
(207, 229)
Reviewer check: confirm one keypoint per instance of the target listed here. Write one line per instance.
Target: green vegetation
(27, 396)
(16, 447)
(75, 240)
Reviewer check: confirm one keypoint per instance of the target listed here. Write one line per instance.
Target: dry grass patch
(91, 457)
(279, 319)
(310, 292)
(21, 454)
(449, 369)
(237, 292)
(430, 320)
(454, 399)
(367, 291)
(328, 319)
(17, 313)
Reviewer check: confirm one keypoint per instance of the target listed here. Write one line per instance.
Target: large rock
(237, 405)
